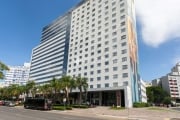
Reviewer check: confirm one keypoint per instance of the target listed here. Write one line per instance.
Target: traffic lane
(11, 113)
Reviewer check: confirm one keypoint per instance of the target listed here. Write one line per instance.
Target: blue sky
(21, 22)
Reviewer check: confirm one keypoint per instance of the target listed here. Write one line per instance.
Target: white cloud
(160, 20)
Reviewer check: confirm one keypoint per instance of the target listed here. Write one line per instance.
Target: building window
(106, 56)
(115, 61)
(91, 86)
(98, 71)
(125, 75)
(91, 79)
(123, 44)
(98, 85)
(115, 68)
(106, 70)
(123, 37)
(92, 66)
(98, 78)
(122, 23)
(106, 77)
(115, 84)
(115, 76)
(106, 49)
(99, 64)
(123, 30)
(124, 51)
(106, 85)
(114, 53)
(107, 63)
(124, 59)
(124, 67)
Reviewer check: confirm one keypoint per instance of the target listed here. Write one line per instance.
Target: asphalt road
(12, 113)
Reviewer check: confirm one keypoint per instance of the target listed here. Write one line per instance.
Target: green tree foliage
(3, 67)
(156, 94)
(167, 100)
(67, 83)
(81, 83)
(31, 88)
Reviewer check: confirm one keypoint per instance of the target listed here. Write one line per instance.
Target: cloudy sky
(159, 36)
(158, 30)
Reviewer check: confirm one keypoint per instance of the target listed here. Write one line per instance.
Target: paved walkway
(105, 113)
(125, 114)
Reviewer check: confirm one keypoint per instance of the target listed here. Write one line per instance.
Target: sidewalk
(125, 114)
(105, 113)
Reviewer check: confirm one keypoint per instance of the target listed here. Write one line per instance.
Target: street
(12, 113)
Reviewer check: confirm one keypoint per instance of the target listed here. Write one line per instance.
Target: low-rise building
(17, 75)
(143, 96)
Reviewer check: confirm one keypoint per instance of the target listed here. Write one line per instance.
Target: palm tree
(81, 83)
(14, 91)
(2, 68)
(67, 83)
(31, 88)
(55, 86)
(45, 89)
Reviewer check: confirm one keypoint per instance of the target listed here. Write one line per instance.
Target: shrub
(62, 107)
(117, 108)
(80, 106)
(140, 104)
(58, 108)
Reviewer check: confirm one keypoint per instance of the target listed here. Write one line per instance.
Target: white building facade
(103, 48)
(17, 75)
(49, 59)
(143, 96)
(96, 40)
(171, 82)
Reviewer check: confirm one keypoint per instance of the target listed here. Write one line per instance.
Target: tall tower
(49, 59)
(103, 48)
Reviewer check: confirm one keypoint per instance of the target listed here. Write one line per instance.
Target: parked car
(1, 102)
(9, 103)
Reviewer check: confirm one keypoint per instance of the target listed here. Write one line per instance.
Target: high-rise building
(17, 75)
(103, 48)
(97, 40)
(49, 59)
(170, 83)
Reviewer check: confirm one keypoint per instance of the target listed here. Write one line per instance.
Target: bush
(80, 106)
(58, 108)
(62, 107)
(140, 104)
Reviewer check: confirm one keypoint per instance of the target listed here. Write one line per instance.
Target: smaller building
(170, 82)
(156, 82)
(143, 96)
(17, 75)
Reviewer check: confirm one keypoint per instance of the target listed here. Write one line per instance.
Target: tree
(167, 101)
(44, 89)
(31, 88)
(3, 67)
(56, 87)
(156, 94)
(67, 83)
(81, 83)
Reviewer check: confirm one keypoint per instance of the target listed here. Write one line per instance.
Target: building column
(100, 98)
(118, 98)
(128, 97)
